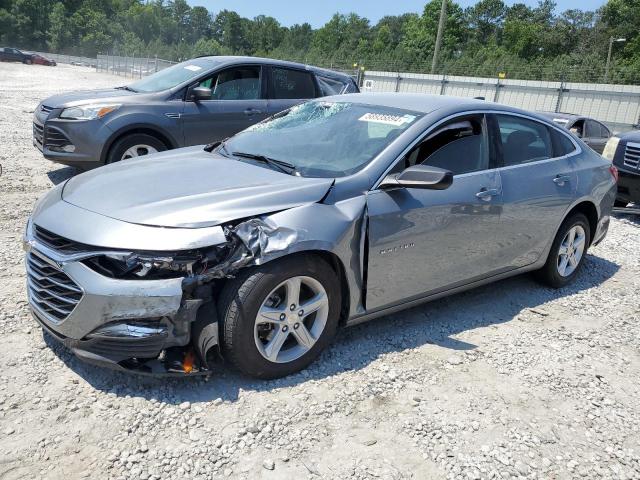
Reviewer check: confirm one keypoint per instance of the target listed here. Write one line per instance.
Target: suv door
(288, 87)
(596, 135)
(538, 185)
(424, 241)
(238, 101)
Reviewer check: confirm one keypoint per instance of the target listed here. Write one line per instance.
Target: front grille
(50, 289)
(55, 138)
(38, 133)
(58, 243)
(45, 109)
(632, 155)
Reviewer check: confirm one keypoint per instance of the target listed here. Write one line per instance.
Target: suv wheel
(567, 253)
(135, 145)
(28, 61)
(277, 318)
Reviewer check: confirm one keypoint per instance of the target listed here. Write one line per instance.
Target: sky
(317, 13)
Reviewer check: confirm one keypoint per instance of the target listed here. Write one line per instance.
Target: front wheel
(567, 253)
(277, 318)
(133, 146)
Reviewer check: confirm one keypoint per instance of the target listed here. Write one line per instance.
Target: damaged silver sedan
(339, 210)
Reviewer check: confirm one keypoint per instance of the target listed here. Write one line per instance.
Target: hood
(88, 96)
(189, 188)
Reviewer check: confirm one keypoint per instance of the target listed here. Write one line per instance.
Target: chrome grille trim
(632, 155)
(59, 243)
(51, 291)
(45, 108)
(38, 133)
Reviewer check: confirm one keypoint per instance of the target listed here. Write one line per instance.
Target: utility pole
(608, 66)
(443, 17)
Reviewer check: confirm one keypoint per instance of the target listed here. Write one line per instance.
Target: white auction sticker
(395, 120)
(193, 68)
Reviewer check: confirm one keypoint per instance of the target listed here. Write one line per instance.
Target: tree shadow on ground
(356, 347)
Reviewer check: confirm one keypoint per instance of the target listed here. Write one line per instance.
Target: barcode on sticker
(396, 120)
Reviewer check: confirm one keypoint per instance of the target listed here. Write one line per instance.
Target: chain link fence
(130, 67)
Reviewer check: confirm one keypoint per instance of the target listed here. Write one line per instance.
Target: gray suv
(194, 102)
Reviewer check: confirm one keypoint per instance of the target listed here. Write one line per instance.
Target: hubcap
(571, 251)
(138, 151)
(291, 319)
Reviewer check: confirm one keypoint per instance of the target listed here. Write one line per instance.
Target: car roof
(234, 59)
(424, 103)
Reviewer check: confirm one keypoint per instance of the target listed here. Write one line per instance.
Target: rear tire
(566, 257)
(149, 143)
(247, 341)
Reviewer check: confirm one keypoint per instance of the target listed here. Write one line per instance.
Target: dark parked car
(592, 132)
(624, 151)
(9, 54)
(331, 213)
(38, 59)
(194, 102)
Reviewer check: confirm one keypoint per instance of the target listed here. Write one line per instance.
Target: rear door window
(291, 84)
(523, 140)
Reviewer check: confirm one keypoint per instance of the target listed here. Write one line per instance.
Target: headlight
(88, 112)
(610, 149)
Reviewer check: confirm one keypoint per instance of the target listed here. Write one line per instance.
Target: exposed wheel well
(335, 263)
(589, 210)
(147, 131)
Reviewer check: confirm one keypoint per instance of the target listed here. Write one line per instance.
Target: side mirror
(419, 176)
(201, 93)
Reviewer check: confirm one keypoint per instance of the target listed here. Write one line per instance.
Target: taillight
(614, 172)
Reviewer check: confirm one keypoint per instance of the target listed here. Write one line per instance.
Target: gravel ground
(511, 380)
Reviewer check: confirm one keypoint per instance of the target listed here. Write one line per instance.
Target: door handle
(487, 194)
(252, 111)
(560, 180)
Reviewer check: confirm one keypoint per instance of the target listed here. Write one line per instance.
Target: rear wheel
(279, 317)
(133, 146)
(567, 253)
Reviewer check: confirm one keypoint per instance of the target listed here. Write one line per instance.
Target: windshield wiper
(127, 87)
(281, 165)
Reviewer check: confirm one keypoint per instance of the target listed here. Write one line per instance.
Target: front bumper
(74, 143)
(121, 324)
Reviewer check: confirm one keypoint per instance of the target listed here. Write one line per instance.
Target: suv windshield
(324, 139)
(172, 76)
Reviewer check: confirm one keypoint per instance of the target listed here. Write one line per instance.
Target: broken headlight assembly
(151, 266)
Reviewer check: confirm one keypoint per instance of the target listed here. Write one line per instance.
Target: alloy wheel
(138, 151)
(291, 319)
(571, 250)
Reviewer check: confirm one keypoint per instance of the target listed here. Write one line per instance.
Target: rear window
(331, 86)
(292, 84)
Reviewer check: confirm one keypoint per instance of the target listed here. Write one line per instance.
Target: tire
(551, 274)
(243, 297)
(121, 146)
(28, 61)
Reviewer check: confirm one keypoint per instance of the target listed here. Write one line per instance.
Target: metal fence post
(443, 86)
(398, 78)
(497, 92)
(561, 91)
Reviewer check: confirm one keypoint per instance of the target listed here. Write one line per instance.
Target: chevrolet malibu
(330, 213)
